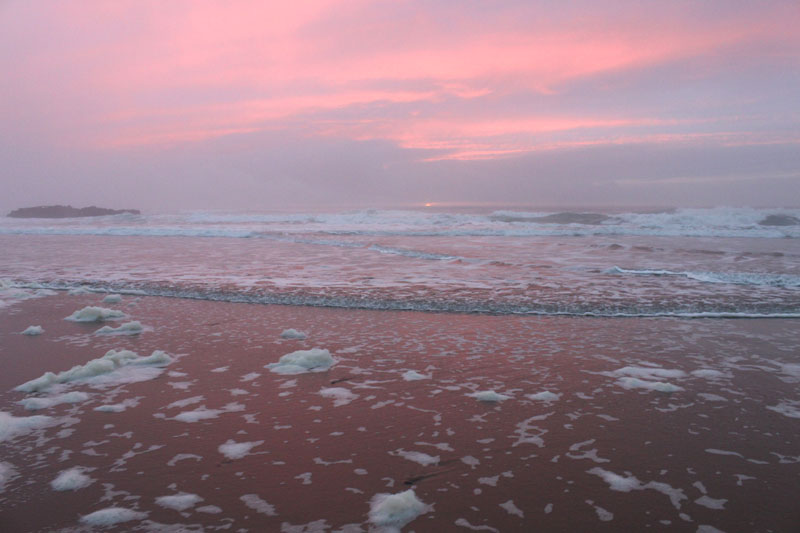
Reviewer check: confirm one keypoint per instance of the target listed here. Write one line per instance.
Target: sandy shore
(709, 440)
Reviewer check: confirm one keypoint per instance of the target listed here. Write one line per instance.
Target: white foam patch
(95, 314)
(9, 295)
(128, 328)
(180, 501)
(636, 383)
(617, 482)
(463, 522)
(184, 457)
(118, 407)
(711, 503)
(791, 369)
(646, 372)
(71, 479)
(12, 427)
(7, 473)
(111, 516)
(302, 361)
(418, 457)
(185, 402)
(34, 404)
(413, 375)
(339, 395)
(209, 509)
(32, 331)
(491, 481)
(629, 483)
(393, 511)
(544, 396)
(203, 413)
(489, 396)
(112, 299)
(98, 371)
(254, 502)
(787, 408)
(292, 333)
(237, 450)
(707, 373)
(512, 509)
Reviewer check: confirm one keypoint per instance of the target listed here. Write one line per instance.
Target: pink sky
(406, 94)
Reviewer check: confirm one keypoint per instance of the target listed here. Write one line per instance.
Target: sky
(195, 104)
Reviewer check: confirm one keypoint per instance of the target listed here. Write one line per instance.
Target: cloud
(140, 85)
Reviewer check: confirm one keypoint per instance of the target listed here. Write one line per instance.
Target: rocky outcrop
(67, 211)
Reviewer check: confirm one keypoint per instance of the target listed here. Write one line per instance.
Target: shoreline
(325, 455)
(288, 300)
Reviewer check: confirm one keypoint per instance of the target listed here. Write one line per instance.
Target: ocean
(419, 370)
(719, 262)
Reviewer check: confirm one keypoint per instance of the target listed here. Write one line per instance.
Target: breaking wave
(735, 278)
(710, 222)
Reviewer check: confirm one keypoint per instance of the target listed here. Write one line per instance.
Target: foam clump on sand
(34, 404)
(203, 413)
(302, 361)
(111, 516)
(413, 375)
(16, 426)
(95, 314)
(544, 396)
(489, 396)
(390, 512)
(292, 333)
(236, 450)
(630, 482)
(635, 377)
(418, 457)
(254, 502)
(112, 299)
(71, 479)
(128, 328)
(113, 360)
(179, 502)
(33, 331)
(340, 395)
(636, 383)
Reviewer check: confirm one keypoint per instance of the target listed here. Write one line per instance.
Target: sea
(712, 262)
(419, 369)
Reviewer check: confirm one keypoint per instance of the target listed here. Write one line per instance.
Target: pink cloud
(156, 73)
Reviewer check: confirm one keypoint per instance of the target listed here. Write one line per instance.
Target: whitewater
(715, 262)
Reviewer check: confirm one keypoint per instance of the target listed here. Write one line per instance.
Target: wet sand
(709, 454)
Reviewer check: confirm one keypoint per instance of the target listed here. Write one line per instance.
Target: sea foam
(71, 479)
(292, 333)
(95, 314)
(127, 328)
(111, 516)
(34, 404)
(302, 361)
(390, 512)
(17, 426)
(236, 450)
(112, 361)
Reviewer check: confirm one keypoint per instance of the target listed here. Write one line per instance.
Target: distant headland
(67, 211)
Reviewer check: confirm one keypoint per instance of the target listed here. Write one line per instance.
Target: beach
(496, 422)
